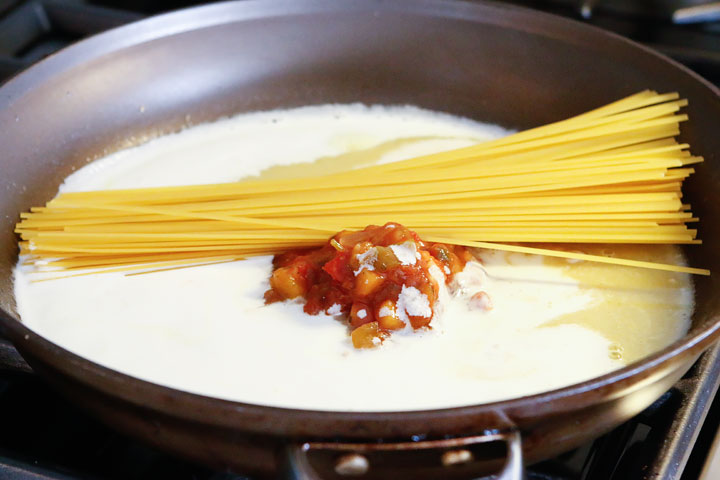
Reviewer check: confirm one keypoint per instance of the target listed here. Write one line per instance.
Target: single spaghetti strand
(571, 255)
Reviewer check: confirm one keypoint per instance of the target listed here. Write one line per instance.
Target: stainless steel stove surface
(44, 437)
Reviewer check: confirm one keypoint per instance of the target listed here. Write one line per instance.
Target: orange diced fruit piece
(419, 322)
(286, 282)
(367, 336)
(388, 318)
(360, 314)
(367, 282)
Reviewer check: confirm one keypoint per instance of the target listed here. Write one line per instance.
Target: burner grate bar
(698, 390)
(11, 469)
(38, 28)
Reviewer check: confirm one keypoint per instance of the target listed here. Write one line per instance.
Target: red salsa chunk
(378, 277)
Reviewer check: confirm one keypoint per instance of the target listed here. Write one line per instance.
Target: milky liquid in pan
(206, 329)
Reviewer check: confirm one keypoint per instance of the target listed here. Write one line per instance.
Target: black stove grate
(29, 31)
(45, 437)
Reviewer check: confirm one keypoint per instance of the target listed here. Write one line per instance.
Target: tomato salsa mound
(383, 278)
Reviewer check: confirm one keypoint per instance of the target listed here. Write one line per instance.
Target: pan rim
(200, 17)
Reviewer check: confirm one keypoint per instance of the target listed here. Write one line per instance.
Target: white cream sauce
(206, 329)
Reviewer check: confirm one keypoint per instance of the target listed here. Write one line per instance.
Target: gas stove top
(45, 437)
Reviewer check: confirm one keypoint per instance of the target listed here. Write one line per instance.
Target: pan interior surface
(484, 62)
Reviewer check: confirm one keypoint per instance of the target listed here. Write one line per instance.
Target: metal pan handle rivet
(352, 464)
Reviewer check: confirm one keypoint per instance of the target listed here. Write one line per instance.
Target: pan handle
(10, 358)
(349, 460)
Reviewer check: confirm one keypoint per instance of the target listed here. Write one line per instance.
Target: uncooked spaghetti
(611, 175)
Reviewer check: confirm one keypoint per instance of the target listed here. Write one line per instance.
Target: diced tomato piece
(338, 267)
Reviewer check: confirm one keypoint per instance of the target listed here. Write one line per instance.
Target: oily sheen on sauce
(207, 329)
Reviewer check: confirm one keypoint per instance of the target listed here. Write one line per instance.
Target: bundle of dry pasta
(611, 175)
